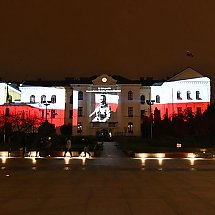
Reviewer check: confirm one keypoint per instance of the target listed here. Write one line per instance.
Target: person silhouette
(68, 147)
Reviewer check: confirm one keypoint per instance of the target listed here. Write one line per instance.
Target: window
(70, 114)
(198, 95)
(7, 111)
(53, 114)
(42, 114)
(43, 99)
(179, 109)
(79, 128)
(130, 111)
(80, 95)
(189, 95)
(32, 99)
(142, 99)
(53, 99)
(142, 113)
(179, 95)
(80, 111)
(130, 95)
(71, 99)
(189, 110)
(198, 111)
(157, 99)
(130, 127)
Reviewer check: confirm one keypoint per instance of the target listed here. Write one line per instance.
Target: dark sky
(52, 39)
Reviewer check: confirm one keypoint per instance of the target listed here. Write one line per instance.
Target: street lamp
(46, 104)
(150, 103)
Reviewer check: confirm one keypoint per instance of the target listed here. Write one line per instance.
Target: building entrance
(104, 135)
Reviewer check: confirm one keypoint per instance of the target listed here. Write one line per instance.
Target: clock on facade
(104, 80)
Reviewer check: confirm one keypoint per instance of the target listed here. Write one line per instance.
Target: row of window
(80, 112)
(43, 99)
(179, 97)
(81, 96)
(189, 97)
(43, 112)
(130, 97)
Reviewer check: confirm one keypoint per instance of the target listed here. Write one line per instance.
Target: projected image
(105, 104)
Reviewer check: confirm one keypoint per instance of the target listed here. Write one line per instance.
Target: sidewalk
(110, 150)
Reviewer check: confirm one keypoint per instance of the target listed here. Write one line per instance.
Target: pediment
(188, 73)
(104, 80)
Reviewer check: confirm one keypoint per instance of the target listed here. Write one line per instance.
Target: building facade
(108, 103)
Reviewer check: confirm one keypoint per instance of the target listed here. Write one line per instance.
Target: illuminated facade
(111, 103)
(187, 92)
(105, 103)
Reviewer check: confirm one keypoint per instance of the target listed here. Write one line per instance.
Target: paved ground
(112, 184)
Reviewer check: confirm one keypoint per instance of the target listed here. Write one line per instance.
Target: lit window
(80, 111)
(142, 99)
(80, 95)
(189, 95)
(130, 111)
(198, 95)
(53, 99)
(32, 99)
(43, 99)
(130, 127)
(130, 95)
(157, 99)
(79, 128)
(179, 95)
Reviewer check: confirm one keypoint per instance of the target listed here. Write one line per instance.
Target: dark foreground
(111, 184)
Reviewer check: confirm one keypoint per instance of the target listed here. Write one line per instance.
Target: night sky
(52, 39)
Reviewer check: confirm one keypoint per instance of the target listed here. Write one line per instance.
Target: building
(187, 91)
(110, 104)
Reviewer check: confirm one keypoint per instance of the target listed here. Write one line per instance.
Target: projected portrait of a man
(102, 112)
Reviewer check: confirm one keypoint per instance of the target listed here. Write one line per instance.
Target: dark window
(130, 111)
(198, 110)
(130, 95)
(189, 110)
(198, 95)
(32, 99)
(53, 114)
(130, 127)
(70, 114)
(43, 99)
(7, 111)
(80, 95)
(189, 95)
(43, 114)
(80, 111)
(53, 99)
(157, 99)
(142, 99)
(71, 99)
(142, 113)
(179, 95)
(179, 110)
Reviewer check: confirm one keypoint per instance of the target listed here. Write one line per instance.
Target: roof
(188, 73)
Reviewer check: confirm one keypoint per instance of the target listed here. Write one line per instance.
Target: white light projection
(105, 105)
